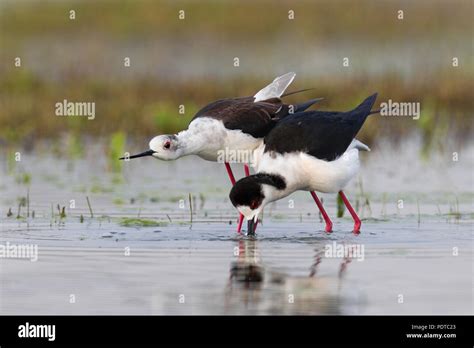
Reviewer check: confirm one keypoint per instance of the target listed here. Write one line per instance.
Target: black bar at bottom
(291, 330)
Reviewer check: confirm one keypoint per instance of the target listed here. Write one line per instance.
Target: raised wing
(276, 88)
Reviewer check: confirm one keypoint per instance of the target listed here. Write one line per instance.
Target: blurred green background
(190, 62)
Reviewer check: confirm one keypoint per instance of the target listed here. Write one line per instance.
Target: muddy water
(416, 239)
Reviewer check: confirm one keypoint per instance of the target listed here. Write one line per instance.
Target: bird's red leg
(229, 172)
(232, 180)
(241, 220)
(241, 217)
(246, 169)
(357, 221)
(323, 212)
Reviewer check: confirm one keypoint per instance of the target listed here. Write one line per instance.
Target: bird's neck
(189, 143)
(274, 186)
(272, 193)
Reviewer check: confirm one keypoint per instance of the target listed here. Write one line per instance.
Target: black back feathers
(323, 134)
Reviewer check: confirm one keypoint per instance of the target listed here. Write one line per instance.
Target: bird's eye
(167, 144)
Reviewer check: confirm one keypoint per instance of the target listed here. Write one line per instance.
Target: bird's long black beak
(251, 227)
(146, 153)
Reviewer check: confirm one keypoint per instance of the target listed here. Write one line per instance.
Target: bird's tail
(360, 113)
(364, 108)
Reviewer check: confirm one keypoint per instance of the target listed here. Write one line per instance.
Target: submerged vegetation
(136, 222)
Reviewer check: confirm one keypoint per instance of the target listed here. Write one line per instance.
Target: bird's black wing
(218, 106)
(323, 134)
(254, 118)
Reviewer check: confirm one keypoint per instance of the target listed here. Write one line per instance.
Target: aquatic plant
(340, 207)
(135, 222)
(90, 207)
(116, 150)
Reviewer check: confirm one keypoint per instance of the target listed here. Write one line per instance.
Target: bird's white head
(164, 147)
(250, 195)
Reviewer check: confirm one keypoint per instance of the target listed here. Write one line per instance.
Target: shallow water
(422, 251)
(221, 273)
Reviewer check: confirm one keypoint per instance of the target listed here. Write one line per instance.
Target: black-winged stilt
(310, 151)
(229, 125)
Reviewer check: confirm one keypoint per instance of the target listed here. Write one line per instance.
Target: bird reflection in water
(318, 258)
(254, 288)
(247, 270)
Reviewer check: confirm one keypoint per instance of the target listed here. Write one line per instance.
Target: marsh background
(190, 62)
(146, 204)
